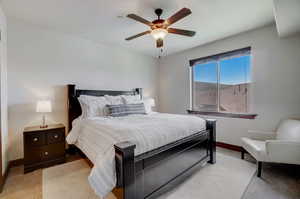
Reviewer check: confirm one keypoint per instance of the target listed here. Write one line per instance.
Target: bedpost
(211, 126)
(71, 95)
(139, 91)
(71, 90)
(125, 168)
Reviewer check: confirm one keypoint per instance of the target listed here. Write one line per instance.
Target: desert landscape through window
(222, 85)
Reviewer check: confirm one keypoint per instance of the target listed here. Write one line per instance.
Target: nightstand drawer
(48, 152)
(34, 139)
(53, 151)
(55, 136)
(33, 155)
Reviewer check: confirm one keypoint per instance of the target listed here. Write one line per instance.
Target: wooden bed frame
(149, 174)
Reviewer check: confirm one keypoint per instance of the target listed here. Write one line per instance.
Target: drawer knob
(46, 153)
(35, 139)
(55, 136)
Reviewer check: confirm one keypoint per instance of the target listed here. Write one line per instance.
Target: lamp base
(43, 126)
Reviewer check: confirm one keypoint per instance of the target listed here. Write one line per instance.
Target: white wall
(287, 17)
(3, 79)
(275, 72)
(41, 62)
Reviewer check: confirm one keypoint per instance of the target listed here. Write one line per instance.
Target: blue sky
(232, 71)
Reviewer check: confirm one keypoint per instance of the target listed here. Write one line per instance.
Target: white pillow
(136, 99)
(131, 99)
(93, 106)
(114, 100)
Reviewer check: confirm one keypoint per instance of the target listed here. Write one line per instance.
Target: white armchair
(282, 146)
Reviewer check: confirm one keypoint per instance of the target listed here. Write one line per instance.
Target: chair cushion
(256, 148)
(289, 130)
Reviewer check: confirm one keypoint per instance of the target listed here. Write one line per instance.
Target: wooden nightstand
(43, 147)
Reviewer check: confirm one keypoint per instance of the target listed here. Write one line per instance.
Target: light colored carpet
(227, 179)
(68, 181)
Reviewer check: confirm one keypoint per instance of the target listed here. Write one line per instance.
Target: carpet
(227, 179)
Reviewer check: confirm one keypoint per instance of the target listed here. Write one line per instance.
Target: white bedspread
(96, 138)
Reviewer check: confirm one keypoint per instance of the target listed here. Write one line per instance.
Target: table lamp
(151, 102)
(44, 106)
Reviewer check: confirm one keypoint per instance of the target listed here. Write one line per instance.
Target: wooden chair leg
(259, 169)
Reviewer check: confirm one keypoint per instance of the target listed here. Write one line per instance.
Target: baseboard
(3, 179)
(229, 146)
(16, 163)
(20, 162)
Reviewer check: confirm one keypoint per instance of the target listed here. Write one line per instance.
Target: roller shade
(234, 53)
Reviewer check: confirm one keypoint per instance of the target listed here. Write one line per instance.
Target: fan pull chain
(160, 52)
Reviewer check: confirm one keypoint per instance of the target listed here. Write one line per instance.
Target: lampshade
(43, 106)
(159, 33)
(151, 102)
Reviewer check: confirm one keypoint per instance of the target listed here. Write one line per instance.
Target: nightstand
(43, 147)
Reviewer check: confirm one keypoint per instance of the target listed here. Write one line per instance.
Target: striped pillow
(126, 109)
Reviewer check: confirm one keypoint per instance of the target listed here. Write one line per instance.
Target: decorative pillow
(126, 109)
(132, 99)
(136, 99)
(93, 106)
(114, 100)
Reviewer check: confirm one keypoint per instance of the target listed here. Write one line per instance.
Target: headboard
(74, 109)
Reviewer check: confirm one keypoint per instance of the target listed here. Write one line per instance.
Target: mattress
(96, 138)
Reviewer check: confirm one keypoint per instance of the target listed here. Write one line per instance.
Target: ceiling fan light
(159, 33)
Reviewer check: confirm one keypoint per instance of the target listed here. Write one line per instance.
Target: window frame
(217, 58)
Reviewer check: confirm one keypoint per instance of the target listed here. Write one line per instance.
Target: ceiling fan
(160, 27)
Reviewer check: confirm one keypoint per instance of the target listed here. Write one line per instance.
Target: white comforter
(96, 138)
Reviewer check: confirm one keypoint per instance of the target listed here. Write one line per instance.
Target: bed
(140, 155)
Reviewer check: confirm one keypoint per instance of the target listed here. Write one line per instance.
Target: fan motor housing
(158, 12)
(158, 23)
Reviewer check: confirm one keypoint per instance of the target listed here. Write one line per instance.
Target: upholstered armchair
(282, 146)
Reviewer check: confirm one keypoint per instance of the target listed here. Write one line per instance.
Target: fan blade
(179, 15)
(138, 35)
(181, 32)
(159, 43)
(139, 19)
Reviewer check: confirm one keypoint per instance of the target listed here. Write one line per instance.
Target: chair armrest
(283, 151)
(261, 135)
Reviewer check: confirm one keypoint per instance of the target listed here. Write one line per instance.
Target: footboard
(146, 175)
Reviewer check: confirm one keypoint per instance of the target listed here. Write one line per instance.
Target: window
(220, 83)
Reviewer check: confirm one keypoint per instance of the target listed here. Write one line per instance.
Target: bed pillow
(114, 100)
(132, 99)
(136, 99)
(93, 106)
(126, 109)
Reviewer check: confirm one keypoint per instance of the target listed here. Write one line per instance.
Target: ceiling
(104, 21)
